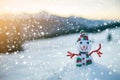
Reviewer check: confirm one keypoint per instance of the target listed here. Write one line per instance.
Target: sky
(93, 9)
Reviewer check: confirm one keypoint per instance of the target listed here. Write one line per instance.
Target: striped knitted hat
(83, 36)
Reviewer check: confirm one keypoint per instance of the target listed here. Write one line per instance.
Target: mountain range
(16, 29)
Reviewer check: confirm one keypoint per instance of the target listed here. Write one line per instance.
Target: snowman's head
(83, 43)
(83, 46)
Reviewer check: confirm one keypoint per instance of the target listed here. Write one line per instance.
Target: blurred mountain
(21, 27)
(54, 25)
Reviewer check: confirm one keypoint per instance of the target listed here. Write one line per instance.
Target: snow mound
(91, 72)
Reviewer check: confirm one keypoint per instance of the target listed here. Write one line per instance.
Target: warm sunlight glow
(106, 9)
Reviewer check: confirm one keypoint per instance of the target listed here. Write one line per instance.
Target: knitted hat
(83, 36)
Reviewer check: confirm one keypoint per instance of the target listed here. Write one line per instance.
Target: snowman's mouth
(84, 47)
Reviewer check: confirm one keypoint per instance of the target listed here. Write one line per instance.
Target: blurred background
(22, 20)
(36, 34)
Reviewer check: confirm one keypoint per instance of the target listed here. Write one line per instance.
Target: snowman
(83, 44)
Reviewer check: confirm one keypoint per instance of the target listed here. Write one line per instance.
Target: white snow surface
(46, 60)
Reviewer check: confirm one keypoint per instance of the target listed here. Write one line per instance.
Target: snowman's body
(83, 60)
(83, 46)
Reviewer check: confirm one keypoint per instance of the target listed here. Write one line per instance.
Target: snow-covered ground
(46, 60)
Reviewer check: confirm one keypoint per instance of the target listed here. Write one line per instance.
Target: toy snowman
(83, 44)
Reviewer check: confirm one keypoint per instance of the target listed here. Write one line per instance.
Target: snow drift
(46, 60)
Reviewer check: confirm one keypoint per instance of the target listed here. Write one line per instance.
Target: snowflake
(102, 73)
(98, 30)
(7, 33)
(13, 46)
(16, 62)
(42, 33)
(60, 69)
(96, 79)
(110, 73)
(105, 23)
(34, 33)
(94, 73)
(5, 27)
(67, 22)
(114, 70)
(58, 29)
(29, 57)
(40, 27)
(24, 62)
(22, 56)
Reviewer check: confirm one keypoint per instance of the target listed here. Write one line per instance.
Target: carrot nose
(83, 46)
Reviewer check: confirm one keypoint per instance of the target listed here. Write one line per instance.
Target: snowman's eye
(87, 42)
(80, 42)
